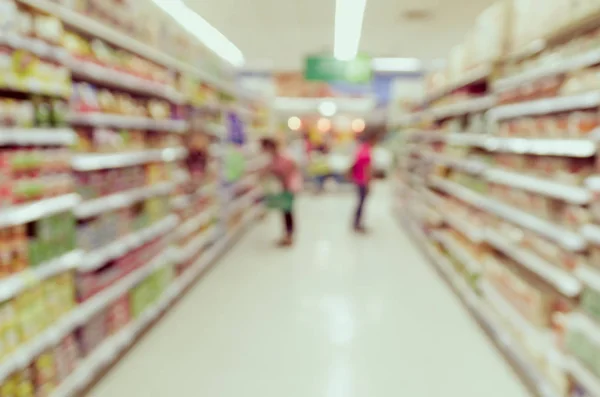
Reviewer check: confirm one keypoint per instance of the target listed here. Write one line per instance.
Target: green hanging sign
(327, 68)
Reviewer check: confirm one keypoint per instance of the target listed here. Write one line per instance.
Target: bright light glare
(348, 28)
(294, 123)
(358, 125)
(396, 64)
(327, 108)
(202, 30)
(324, 125)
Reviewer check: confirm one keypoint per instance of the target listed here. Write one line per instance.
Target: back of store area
(138, 203)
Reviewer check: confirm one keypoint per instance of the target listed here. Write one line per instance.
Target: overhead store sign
(327, 68)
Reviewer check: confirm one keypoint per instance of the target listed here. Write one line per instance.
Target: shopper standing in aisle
(361, 174)
(284, 168)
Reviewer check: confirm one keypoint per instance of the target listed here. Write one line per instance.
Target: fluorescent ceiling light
(397, 64)
(202, 30)
(348, 28)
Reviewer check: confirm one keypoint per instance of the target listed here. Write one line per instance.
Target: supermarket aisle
(337, 316)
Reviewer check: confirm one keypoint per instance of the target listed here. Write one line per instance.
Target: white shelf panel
(92, 162)
(535, 146)
(568, 239)
(472, 265)
(546, 106)
(90, 367)
(592, 233)
(78, 316)
(37, 136)
(583, 375)
(99, 257)
(15, 284)
(472, 76)
(122, 121)
(542, 147)
(589, 276)
(113, 78)
(25, 213)
(553, 67)
(563, 280)
(474, 233)
(196, 222)
(466, 165)
(579, 322)
(123, 40)
(473, 105)
(511, 348)
(569, 193)
(121, 200)
(36, 46)
(539, 340)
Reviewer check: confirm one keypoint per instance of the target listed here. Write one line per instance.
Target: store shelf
(35, 46)
(566, 238)
(546, 106)
(473, 76)
(15, 284)
(109, 350)
(194, 247)
(583, 375)
(33, 85)
(464, 164)
(25, 213)
(474, 233)
(572, 194)
(534, 146)
(122, 121)
(481, 312)
(78, 316)
(473, 105)
(579, 322)
(538, 340)
(99, 257)
(592, 233)
(564, 281)
(92, 162)
(542, 146)
(121, 200)
(462, 193)
(589, 276)
(37, 136)
(472, 265)
(123, 40)
(552, 67)
(110, 77)
(193, 224)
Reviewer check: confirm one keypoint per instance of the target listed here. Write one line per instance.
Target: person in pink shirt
(284, 168)
(361, 175)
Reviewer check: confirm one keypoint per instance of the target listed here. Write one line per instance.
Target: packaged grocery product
(92, 333)
(44, 374)
(590, 301)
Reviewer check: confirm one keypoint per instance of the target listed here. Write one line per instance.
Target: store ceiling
(277, 34)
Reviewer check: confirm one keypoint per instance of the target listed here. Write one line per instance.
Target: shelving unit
(508, 161)
(102, 223)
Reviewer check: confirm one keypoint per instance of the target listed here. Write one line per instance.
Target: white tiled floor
(339, 315)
